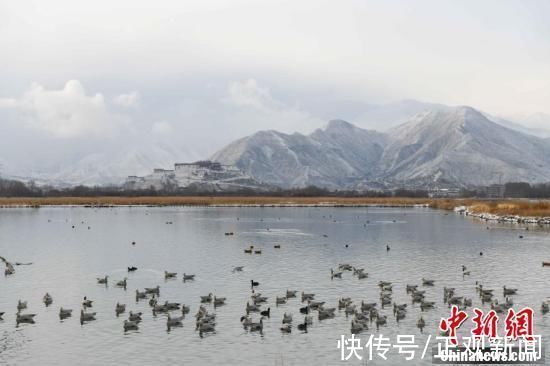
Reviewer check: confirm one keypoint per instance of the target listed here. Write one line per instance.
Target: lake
(71, 246)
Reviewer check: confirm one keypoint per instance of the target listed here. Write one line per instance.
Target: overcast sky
(82, 76)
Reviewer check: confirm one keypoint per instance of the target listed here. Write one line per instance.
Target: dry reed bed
(539, 208)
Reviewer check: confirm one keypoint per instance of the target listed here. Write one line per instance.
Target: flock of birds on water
(361, 315)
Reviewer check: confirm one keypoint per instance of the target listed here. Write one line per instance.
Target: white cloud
(8, 102)
(129, 100)
(257, 107)
(249, 93)
(162, 128)
(68, 112)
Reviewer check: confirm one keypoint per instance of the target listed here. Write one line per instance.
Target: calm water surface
(67, 260)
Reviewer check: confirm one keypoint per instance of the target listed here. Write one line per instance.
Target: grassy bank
(497, 207)
(208, 201)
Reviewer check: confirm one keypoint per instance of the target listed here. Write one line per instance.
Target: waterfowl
(286, 328)
(400, 307)
(400, 314)
(252, 308)
(544, 308)
(103, 281)
(362, 275)
(218, 301)
(259, 299)
(356, 327)
(266, 312)
(467, 302)
(140, 295)
(335, 274)
(466, 273)
(280, 300)
(387, 248)
(120, 308)
(134, 317)
(254, 283)
(258, 251)
(509, 291)
(25, 318)
(350, 310)
(367, 306)
(308, 319)
(314, 305)
(411, 288)
(122, 283)
(238, 269)
(257, 327)
(206, 328)
(168, 275)
(343, 302)
(304, 310)
(189, 277)
(427, 282)
(303, 326)
(287, 318)
(172, 305)
(425, 305)
(85, 317)
(248, 251)
(185, 309)
(174, 322)
(132, 269)
(130, 325)
(306, 297)
(47, 299)
(380, 320)
(246, 321)
(384, 284)
(421, 323)
(86, 302)
(21, 305)
(207, 298)
(153, 290)
(277, 246)
(65, 313)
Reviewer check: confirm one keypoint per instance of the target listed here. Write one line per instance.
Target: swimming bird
(21, 305)
(87, 303)
(291, 293)
(219, 301)
(238, 269)
(257, 327)
(509, 291)
(254, 283)
(266, 312)
(122, 283)
(287, 318)
(168, 275)
(130, 325)
(172, 305)
(277, 246)
(187, 277)
(65, 313)
(335, 274)
(132, 269)
(185, 309)
(427, 282)
(47, 299)
(86, 317)
(421, 323)
(207, 298)
(280, 300)
(306, 297)
(544, 308)
(387, 248)
(103, 281)
(134, 317)
(286, 328)
(140, 295)
(252, 308)
(25, 318)
(153, 290)
(303, 326)
(120, 308)
(174, 322)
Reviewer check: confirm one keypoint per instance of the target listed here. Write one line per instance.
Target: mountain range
(457, 146)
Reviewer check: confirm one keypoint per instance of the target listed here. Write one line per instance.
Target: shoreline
(499, 210)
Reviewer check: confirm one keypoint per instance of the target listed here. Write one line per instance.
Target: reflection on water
(67, 260)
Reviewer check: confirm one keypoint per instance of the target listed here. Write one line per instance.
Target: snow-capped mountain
(458, 145)
(336, 156)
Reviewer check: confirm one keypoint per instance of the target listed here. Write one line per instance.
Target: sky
(86, 81)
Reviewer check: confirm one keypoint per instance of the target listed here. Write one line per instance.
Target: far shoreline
(500, 207)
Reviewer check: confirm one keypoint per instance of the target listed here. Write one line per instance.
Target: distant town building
(204, 175)
(451, 192)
